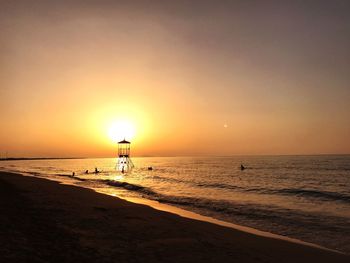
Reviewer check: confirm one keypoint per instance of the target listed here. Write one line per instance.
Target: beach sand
(44, 221)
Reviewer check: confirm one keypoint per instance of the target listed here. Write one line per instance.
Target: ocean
(303, 197)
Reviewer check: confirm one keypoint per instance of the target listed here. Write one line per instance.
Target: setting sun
(122, 129)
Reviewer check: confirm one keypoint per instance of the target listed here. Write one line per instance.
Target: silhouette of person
(96, 171)
(242, 167)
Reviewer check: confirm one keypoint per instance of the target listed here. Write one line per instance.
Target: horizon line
(160, 156)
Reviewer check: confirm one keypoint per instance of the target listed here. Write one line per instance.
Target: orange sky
(194, 77)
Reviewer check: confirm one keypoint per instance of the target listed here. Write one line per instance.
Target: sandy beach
(44, 221)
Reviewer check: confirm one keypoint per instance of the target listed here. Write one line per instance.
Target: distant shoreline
(40, 158)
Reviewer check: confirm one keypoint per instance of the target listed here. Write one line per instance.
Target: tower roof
(124, 141)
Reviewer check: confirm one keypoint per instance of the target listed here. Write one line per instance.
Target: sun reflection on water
(119, 177)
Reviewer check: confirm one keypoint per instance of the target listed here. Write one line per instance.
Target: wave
(167, 179)
(315, 193)
(131, 187)
(215, 205)
(250, 211)
(306, 193)
(299, 168)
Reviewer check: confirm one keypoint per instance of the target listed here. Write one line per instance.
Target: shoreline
(154, 235)
(190, 214)
(193, 215)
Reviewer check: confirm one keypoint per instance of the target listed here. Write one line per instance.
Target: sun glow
(122, 129)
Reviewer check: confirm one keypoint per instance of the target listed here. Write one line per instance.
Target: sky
(190, 77)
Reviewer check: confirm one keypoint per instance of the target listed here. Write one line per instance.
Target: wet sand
(44, 221)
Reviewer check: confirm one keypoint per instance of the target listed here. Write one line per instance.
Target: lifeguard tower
(124, 162)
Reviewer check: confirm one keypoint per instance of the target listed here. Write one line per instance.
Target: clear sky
(191, 77)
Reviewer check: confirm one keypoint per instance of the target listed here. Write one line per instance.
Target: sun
(120, 130)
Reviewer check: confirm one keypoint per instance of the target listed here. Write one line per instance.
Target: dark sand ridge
(44, 221)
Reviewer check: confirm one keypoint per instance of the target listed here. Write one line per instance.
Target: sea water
(304, 197)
